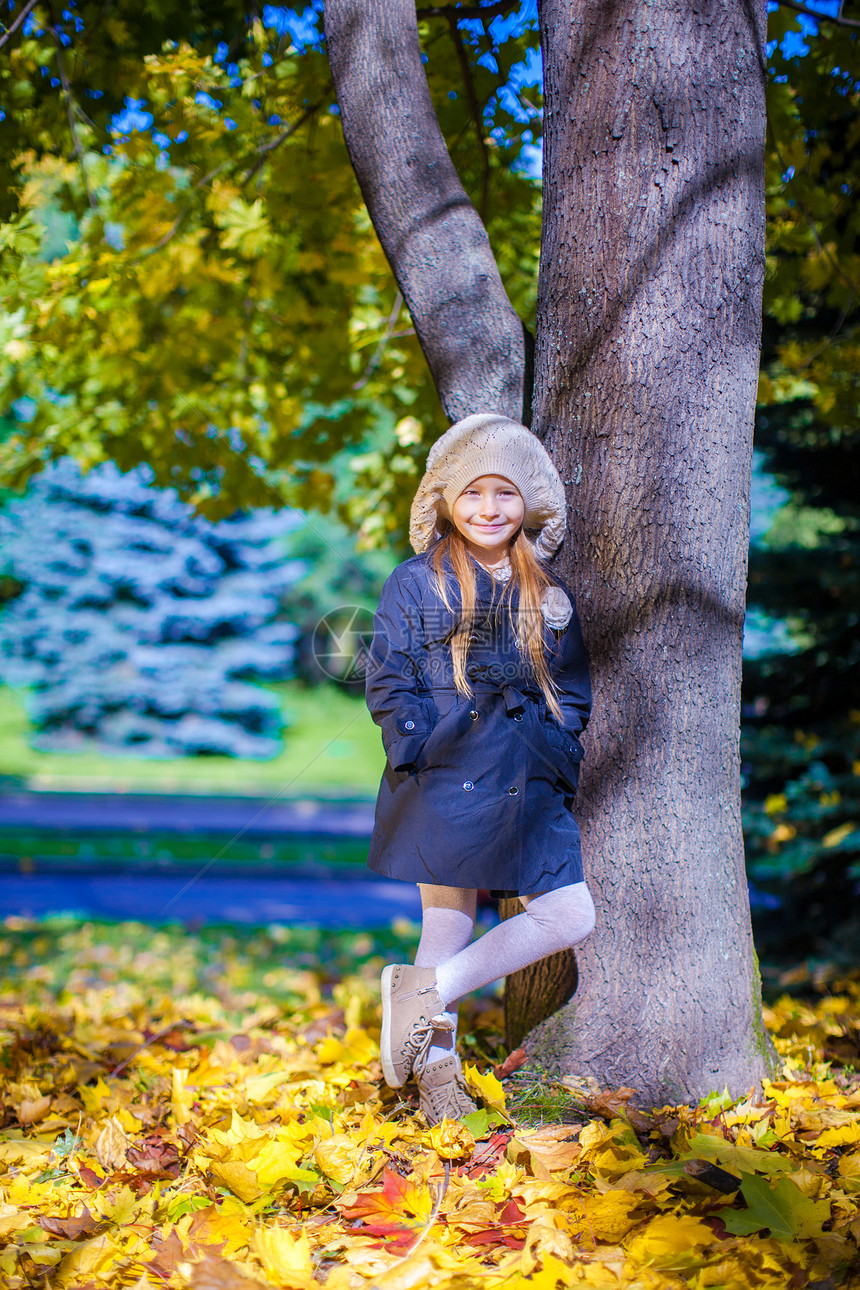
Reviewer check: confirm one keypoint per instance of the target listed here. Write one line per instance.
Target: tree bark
(645, 374)
(647, 349)
(437, 247)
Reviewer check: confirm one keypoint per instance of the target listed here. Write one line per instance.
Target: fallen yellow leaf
(450, 1140)
(286, 1257)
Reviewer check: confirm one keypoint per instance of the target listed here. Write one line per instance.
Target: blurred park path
(336, 900)
(145, 812)
(46, 867)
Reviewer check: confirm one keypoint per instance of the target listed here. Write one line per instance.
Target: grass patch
(331, 748)
(534, 1100)
(28, 850)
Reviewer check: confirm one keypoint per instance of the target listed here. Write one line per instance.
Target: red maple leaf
(401, 1203)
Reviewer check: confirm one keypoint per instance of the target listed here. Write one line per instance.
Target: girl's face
(488, 513)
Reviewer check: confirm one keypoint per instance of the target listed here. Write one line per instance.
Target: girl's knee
(566, 913)
(587, 911)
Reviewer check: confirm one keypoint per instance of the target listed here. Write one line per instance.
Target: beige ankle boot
(443, 1093)
(411, 1011)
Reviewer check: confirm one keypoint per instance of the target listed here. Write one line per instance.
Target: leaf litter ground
(205, 1109)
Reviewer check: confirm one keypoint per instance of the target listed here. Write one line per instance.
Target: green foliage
(220, 308)
(812, 289)
(801, 733)
(223, 311)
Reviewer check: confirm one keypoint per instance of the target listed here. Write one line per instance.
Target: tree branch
(431, 233)
(821, 17)
(8, 34)
(468, 11)
(828, 339)
(265, 148)
(475, 110)
(380, 348)
(70, 112)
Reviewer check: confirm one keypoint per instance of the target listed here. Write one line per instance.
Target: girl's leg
(556, 920)
(447, 928)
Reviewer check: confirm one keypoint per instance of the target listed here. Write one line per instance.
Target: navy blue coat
(475, 792)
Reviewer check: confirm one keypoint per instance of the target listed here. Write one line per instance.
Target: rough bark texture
(536, 993)
(431, 233)
(647, 354)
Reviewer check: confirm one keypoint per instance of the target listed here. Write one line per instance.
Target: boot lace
(447, 1101)
(417, 1043)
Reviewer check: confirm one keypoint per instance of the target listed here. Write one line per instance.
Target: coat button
(518, 716)
(410, 725)
(468, 784)
(473, 714)
(513, 791)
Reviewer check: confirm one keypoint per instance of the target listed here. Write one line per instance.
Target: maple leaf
(225, 1227)
(31, 1110)
(236, 1175)
(488, 1088)
(286, 1256)
(737, 1159)
(512, 1063)
(269, 1131)
(849, 1171)
(336, 1157)
(111, 1145)
(508, 1228)
(487, 1155)
(612, 1150)
(554, 1147)
(779, 1207)
(671, 1241)
(69, 1228)
(611, 1216)
(544, 1241)
(401, 1204)
(168, 1252)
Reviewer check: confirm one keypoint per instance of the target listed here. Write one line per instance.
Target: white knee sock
(444, 933)
(557, 920)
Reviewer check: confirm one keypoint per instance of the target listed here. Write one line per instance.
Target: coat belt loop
(515, 700)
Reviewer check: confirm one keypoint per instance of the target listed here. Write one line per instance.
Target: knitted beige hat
(490, 444)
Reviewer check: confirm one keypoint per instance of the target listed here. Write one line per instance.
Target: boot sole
(385, 1053)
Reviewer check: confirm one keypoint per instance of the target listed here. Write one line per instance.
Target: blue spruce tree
(140, 624)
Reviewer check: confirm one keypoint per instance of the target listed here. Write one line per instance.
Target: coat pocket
(567, 752)
(405, 736)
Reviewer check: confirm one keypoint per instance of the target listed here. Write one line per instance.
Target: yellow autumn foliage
(222, 1140)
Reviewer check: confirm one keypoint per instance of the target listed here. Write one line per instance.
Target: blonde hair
(527, 574)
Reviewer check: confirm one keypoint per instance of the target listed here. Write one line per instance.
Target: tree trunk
(647, 354)
(536, 992)
(647, 351)
(438, 249)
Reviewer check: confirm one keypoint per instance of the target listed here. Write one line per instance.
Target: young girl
(478, 678)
